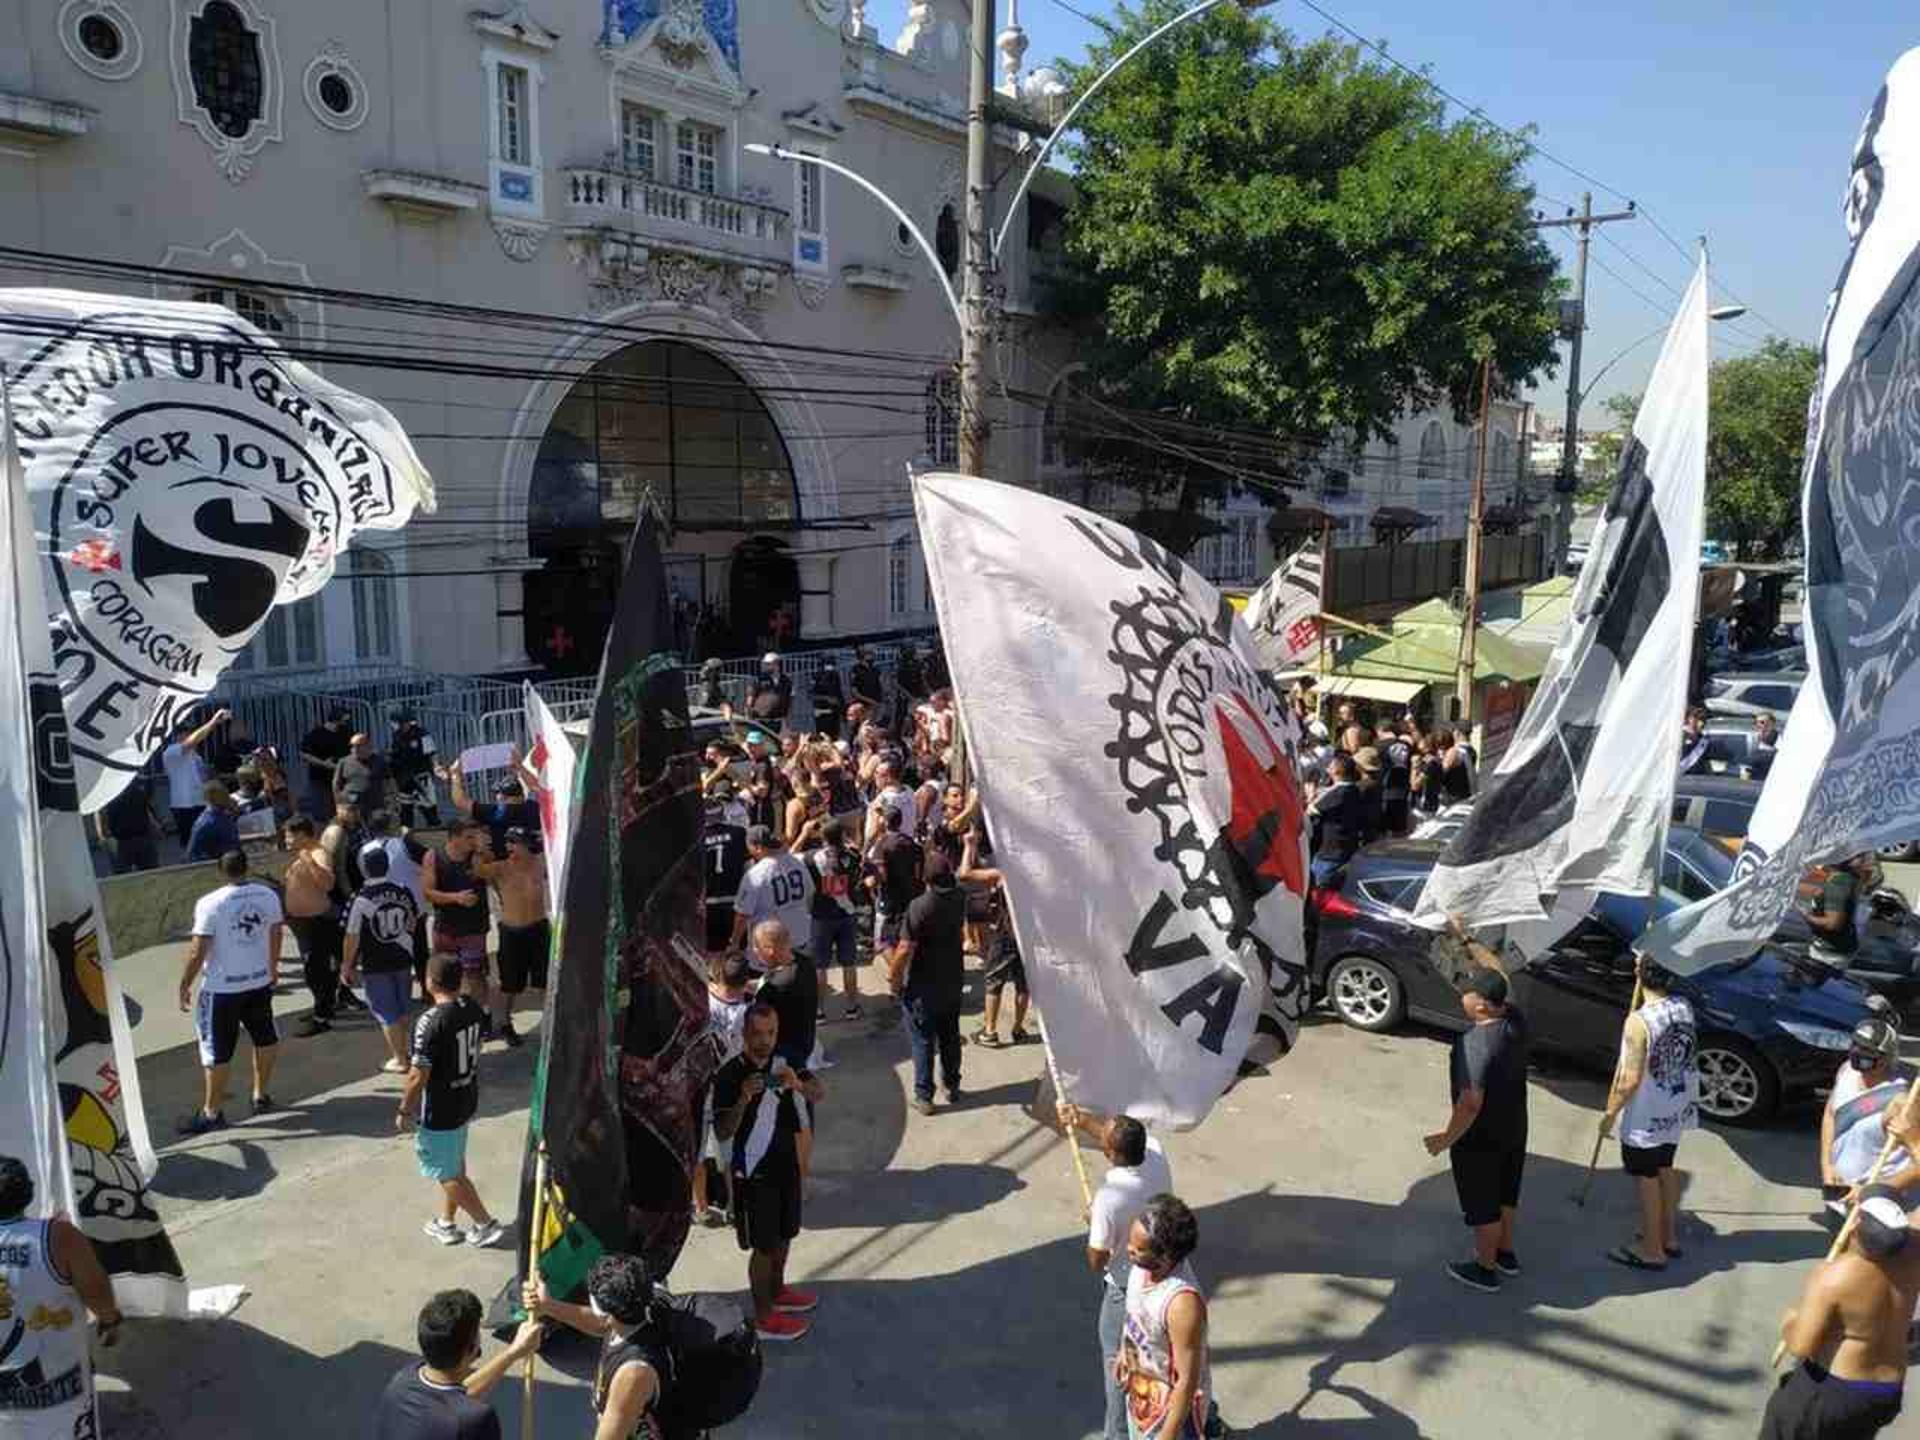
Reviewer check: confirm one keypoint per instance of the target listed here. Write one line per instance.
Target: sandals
(1627, 1256)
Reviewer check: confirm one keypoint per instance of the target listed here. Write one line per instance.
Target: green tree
(1756, 445)
(1282, 238)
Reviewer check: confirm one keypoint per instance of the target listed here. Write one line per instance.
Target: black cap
(1876, 1036)
(1489, 985)
(1883, 1220)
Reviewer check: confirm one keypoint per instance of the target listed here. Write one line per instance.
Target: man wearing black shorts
(758, 1104)
(1487, 1131)
(1004, 965)
(235, 955)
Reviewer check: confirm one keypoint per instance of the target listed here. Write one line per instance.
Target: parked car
(1773, 1027)
(1744, 692)
(1718, 806)
(1729, 745)
(1770, 661)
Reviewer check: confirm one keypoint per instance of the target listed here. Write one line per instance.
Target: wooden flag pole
(1060, 1094)
(1887, 1147)
(1600, 1131)
(537, 1228)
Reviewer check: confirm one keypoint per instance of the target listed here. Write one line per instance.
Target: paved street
(949, 1254)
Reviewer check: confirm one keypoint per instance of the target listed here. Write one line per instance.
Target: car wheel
(1904, 851)
(1737, 1085)
(1366, 993)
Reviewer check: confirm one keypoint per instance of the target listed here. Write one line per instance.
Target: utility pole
(974, 336)
(1476, 511)
(1575, 328)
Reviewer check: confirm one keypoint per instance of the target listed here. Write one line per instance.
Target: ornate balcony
(719, 227)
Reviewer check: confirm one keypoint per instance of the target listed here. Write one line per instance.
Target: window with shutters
(640, 140)
(511, 115)
(696, 157)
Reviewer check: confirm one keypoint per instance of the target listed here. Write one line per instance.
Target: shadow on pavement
(862, 1199)
(191, 1175)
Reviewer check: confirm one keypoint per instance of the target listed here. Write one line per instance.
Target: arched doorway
(669, 423)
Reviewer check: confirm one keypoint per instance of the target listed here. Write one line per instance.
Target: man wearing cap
(772, 695)
(1486, 1135)
(379, 943)
(1654, 1097)
(1853, 1130)
(1849, 1331)
(777, 886)
(510, 805)
(520, 880)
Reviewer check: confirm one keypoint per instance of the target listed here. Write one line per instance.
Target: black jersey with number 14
(446, 1043)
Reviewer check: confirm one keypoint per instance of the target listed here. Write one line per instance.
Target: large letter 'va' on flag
(1138, 774)
(1283, 615)
(1845, 779)
(625, 1054)
(185, 476)
(46, 1389)
(1580, 800)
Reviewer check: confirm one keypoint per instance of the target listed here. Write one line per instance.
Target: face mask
(1863, 1063)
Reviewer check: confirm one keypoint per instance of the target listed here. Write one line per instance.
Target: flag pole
(1887, 1147)
(534, 1233)
(1060, 1093)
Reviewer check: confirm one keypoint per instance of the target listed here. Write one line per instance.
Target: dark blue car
(1773, 1027)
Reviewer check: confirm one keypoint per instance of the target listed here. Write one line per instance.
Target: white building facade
(603, 296)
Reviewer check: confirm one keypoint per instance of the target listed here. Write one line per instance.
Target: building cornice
(39, 121)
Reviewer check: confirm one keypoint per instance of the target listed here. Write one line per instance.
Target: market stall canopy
(1425, 646)
(1371, 687)
(1397, 522)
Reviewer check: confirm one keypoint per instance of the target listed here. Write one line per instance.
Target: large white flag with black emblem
(1846, 777)
(187, 476)
(1283, 615)
(1580, 800)
(1138, 777)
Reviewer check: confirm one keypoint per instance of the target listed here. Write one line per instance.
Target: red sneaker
(796, 1302)
(782, 1327)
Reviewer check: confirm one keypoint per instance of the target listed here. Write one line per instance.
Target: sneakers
(392, 1067)
(1475, 1276)
(713, 1217)
(1020, 1036)
(347, 1000)
(486, 1234)
(313, 1025)
(201, 1123)
(445, 1231)
(794, 1301)
(923, 1107)
(264, 1104)
(779, 1327)
(1506, 1262)
(952, 1094)
(986, 1037)
(853, 1011)
(511, 1036)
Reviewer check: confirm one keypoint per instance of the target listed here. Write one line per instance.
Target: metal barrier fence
(460, 712)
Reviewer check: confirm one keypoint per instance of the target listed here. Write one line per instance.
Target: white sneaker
(486, 1234)
(445, 1231)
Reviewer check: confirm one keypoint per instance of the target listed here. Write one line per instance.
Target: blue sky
(1731, 120)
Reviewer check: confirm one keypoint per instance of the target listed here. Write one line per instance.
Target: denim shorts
(389, 994)
(442, 1153)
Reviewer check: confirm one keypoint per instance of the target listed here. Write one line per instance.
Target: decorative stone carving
(813, 290)
(519, 238)
(828, 12)
(622, 271)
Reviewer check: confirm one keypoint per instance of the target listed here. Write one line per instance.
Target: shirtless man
(1850, 1332)
(520, 880)
(314, 919)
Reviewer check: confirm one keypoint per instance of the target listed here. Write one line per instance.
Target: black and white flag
(1283, 615)
(1138, 774)
(187, 475)
(1847, 775)
(1579, 801)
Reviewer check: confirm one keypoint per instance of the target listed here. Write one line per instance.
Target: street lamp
(781, 152)
(1718, 312)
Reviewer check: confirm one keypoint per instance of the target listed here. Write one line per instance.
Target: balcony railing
(597, 195)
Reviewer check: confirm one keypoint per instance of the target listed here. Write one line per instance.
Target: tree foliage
(1282, 236)
(1756, 445)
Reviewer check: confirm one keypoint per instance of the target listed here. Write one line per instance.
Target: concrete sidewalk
(950, 1256)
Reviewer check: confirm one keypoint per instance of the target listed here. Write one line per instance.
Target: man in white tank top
(1655, 1099)
(1163, 1368)
(50, 1280)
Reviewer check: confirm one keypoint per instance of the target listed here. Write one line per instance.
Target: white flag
(552, 759)
(186, 477)
(1137, 772)
(1283, 615)
(1846, 778)
(1580, 800)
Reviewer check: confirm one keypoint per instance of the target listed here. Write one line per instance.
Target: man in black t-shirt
(791, 989)
(128, 823)
(324, 747)
(927, 972)
(444, 1397)
(1487, 1131)
(760, 1104)
(893, 877)
(442, 1093)
(772, 695)
(1338, 820)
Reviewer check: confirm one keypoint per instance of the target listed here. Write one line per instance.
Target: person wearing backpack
(669, 1368)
